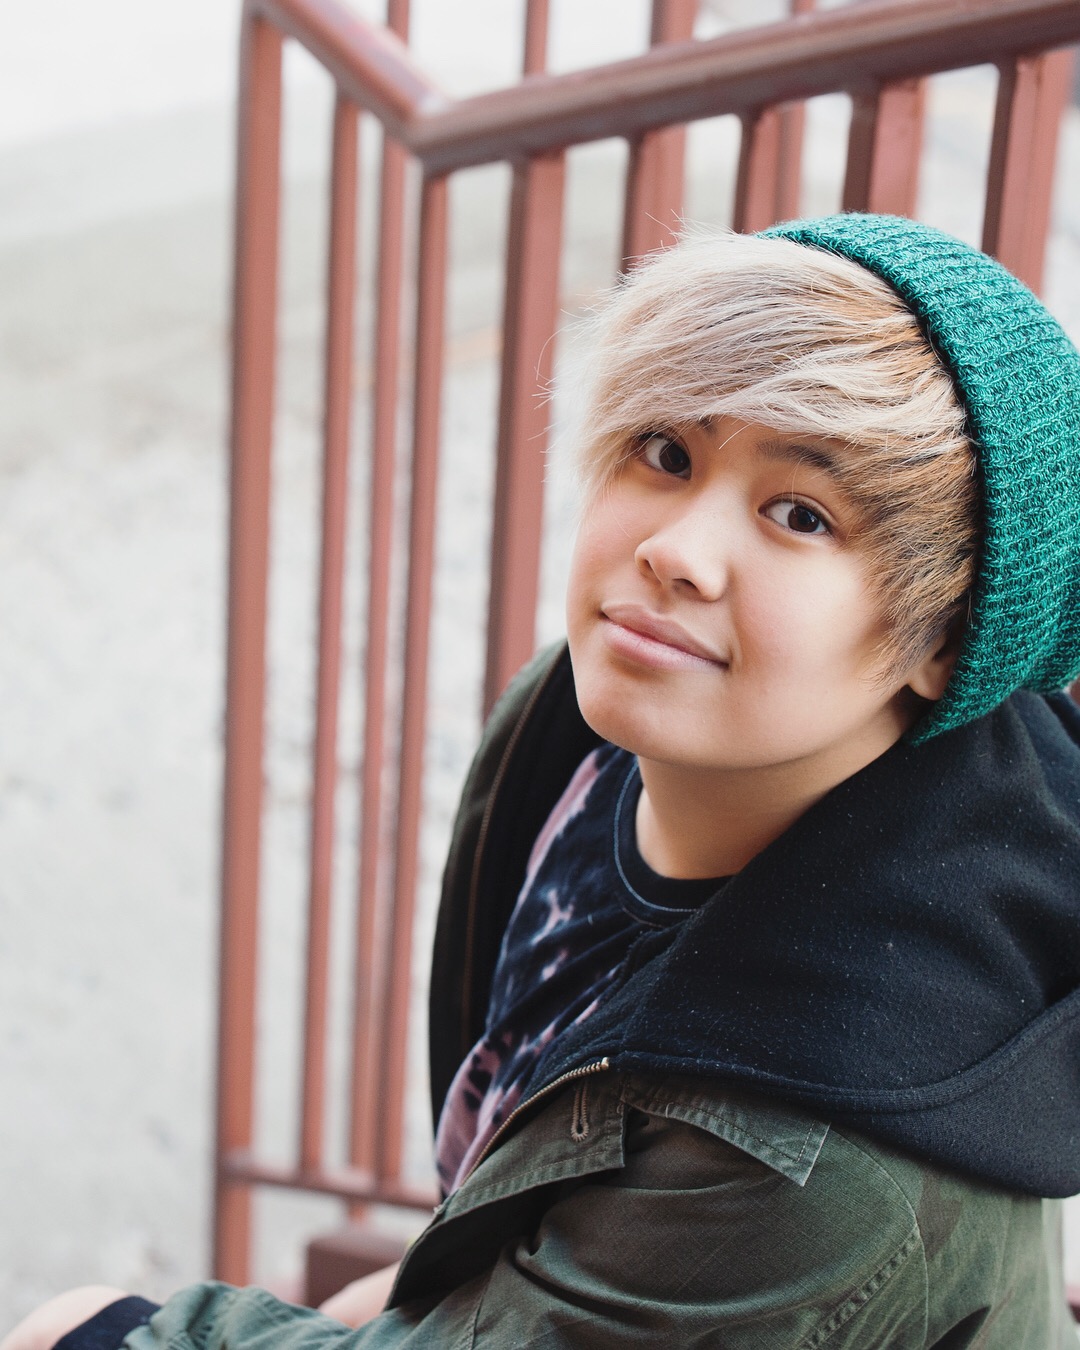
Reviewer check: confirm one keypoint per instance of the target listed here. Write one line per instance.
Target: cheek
(578, 585)
(603, 544)
(778, 620)
(799, 627)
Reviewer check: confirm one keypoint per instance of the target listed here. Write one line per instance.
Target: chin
(601, 714)
(608, 709)
(633, 710)
(625, 721)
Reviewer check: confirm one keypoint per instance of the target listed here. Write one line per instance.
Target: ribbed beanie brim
(1018, 377)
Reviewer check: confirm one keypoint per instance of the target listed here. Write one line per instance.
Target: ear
(929, 678)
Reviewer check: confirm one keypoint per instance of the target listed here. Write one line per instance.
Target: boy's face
(719, 612)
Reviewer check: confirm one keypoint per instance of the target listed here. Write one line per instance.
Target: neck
(709, 823)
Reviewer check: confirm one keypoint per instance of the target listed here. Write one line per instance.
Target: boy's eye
(797, 517)
(661, 452)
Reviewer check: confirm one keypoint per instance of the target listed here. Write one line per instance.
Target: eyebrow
(796, 453)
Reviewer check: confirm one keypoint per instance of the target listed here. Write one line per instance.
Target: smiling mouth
(647, 639)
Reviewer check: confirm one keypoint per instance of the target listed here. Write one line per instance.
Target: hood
(905, 958)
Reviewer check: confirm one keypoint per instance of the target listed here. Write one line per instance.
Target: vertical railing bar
(792, 133)
(253, 362)
(859, 164)
(655, 178)
(534, 246)
(367, 1030)
(430, 321)
(769, 174)
(534, 60)
(884, 149)
(530, 311)
(789, 150)
(1032, 93)
(758, 171)
(340, 307)
(1004, 152)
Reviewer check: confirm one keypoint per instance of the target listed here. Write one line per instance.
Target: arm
(361, 1300)
(692, 1241)
(41, 1329)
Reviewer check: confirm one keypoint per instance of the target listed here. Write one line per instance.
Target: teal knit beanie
(1018, 377)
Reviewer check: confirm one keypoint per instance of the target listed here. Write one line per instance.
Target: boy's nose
(687, 552)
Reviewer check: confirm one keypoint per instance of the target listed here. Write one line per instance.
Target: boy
(757, 966)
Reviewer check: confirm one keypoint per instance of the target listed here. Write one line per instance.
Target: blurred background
(116, 161)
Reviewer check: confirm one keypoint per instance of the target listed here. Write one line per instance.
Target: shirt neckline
(650, 897)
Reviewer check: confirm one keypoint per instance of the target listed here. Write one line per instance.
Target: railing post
(769, 175)
(253, 359)
(427, 398)
(657, 170)
(338, 357)
(530, 315)
(884, 145)
(369, 976)
(1031, 98)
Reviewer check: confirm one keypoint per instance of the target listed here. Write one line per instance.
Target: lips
(657, 639)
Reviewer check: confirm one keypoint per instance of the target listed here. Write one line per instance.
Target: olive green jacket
(623, 1208)
(623, 1212)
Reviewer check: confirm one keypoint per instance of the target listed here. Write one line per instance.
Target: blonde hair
(805, 342)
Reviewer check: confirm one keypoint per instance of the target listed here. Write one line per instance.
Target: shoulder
(820, 1231)
(805, 1198)
(991, 1254)
(677, 1211)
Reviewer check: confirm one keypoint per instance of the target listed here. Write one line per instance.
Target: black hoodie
(905, 958)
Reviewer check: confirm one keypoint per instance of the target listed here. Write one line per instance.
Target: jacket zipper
(582, 1071)
(481, 841)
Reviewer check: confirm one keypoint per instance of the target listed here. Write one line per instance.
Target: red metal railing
(880, 53)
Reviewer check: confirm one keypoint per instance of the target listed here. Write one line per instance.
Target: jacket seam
(861, 1297)
(468, 1339)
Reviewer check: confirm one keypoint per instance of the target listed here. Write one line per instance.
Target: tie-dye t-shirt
(588, 893)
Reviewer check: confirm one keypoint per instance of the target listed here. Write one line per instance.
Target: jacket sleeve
(691, 1243)
(213, 1316)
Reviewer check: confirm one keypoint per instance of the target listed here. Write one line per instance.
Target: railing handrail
(370, 64)
(854, 48)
